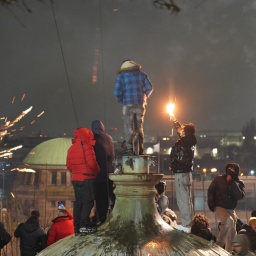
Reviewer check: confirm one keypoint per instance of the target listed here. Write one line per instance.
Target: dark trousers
(84, 200)
(102, 200)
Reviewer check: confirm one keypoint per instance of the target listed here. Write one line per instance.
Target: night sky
(204, 56)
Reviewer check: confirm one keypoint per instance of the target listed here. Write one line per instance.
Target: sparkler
(8, 153)
(170, 109)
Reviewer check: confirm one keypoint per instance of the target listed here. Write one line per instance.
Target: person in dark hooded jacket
(5, 237)
(240, 246)
(32, 236)
(223, 193)
(181, 164)
(105, 154)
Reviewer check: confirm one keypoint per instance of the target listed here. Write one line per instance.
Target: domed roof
(50, 152)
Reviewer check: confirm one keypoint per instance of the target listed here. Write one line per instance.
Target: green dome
(50, 152)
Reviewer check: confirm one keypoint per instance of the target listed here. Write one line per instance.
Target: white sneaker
(184, 229)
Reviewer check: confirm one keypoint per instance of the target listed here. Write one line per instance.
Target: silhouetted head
(189, 129)
(160, 187)
(233, 169)
(35, 213)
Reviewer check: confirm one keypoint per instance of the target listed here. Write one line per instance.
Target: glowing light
(22, 170)
(40, 114)
(170, 109)
(23, 96)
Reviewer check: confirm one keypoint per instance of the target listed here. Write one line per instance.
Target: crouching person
(162, 205)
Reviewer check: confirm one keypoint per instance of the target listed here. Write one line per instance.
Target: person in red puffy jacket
(81, 162)
(62, 226)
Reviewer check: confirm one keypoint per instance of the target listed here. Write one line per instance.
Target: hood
(31, 224)
(242, 239)
(189, 139)
(83, 135)
(98, 127)
(129, 65)
(233, 170)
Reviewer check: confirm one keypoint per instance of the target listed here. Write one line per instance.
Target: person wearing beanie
(32, 236)
(132, 89)
(253, 213)
(250, 231)
(181, 164)
(240, 246)
(223, 193)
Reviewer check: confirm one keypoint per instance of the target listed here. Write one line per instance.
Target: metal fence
(199, 193)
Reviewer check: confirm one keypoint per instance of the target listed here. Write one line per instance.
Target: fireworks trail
(22, 170)
(6, 125)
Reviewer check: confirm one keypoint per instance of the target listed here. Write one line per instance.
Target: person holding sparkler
(181, 164)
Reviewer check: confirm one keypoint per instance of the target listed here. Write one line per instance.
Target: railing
(199, 194)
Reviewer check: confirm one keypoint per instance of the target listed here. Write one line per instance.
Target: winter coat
(81, 160)
(224, 194)
(32, 237)
(62, 226)
(104, 150)
(251, 235)
(132, 87)
(182, 154)
(243, 240)
(5, 237)
(162, 204)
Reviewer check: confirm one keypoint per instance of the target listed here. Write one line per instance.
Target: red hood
(83, 135)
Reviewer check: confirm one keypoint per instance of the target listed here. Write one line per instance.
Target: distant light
(252, 172)
(198, 166)
(215, 152)
(169, 151)
(214, 170)
(149, 151)
(254, 137)
(204, 170)
(243, 137)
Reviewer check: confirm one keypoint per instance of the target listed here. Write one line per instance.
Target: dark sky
(204, 56)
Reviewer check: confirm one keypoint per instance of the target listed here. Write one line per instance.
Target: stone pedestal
(134, 227)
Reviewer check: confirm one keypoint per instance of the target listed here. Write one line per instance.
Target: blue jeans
(84, 201)
(128, 112)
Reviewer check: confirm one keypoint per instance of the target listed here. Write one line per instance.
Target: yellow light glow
(170, 109)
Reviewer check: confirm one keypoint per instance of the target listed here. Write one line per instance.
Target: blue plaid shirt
(132, 87)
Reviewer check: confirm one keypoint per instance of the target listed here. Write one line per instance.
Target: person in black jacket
(5, 237)
(105, 154)
(250, 231)
(181, 164)
(223, 193)
(32, 236)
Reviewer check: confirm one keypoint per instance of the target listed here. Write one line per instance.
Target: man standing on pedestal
(181, 164)
(132, 89)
